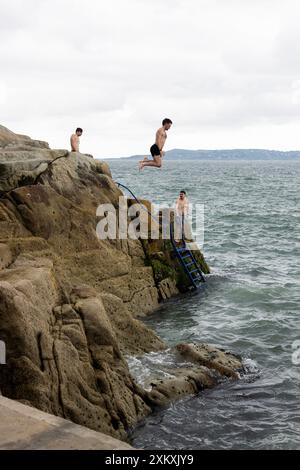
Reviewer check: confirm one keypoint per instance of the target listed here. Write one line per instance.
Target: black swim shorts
(155, 152)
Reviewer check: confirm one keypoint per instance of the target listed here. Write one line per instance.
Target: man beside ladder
(182, 226)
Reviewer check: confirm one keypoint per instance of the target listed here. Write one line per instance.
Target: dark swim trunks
(155, 152)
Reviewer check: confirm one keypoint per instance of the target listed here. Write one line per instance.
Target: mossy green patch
(162, 271)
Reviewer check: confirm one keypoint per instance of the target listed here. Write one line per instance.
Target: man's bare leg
(157, 163)
(142, 161)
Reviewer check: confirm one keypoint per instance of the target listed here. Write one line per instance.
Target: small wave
(219, 275)
(155, 365)
(250, 367)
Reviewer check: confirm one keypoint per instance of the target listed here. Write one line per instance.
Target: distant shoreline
(223, 155)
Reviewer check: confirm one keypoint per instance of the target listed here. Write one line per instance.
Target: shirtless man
(75, 140)
(182, 204)
(157, 149)
(182, 226)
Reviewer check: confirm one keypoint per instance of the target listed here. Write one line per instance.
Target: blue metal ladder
(187, 260)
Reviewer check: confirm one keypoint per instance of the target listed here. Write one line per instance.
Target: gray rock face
(5, 256)
(23, 167)
(22, 159)
(10, 140)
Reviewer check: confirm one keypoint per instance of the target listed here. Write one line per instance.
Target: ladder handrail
(136, 199)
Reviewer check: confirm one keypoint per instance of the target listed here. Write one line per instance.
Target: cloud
(225, 72)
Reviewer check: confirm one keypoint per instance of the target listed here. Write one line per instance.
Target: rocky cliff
(69, 302)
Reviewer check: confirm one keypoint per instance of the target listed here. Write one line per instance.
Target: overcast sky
(227, 72)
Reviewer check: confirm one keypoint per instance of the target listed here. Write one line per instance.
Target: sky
(227, 72)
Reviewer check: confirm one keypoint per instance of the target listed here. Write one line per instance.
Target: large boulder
(60, 208)
(22, 159)
(67, 359)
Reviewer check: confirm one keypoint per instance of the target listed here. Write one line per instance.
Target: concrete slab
(26, 428)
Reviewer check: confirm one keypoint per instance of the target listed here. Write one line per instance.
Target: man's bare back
(157, 149)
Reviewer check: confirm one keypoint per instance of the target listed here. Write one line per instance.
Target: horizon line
(209, 150)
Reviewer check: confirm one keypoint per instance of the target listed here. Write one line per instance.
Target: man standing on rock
(182, 204)
(157, 149)
(182, 226)
(75, 140)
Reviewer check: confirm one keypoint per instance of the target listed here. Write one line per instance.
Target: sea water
(250, 304)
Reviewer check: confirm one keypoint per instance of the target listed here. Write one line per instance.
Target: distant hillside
(236, 154)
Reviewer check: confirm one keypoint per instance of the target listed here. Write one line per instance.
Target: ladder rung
(185, 257)
(190, 264)
(195, 271)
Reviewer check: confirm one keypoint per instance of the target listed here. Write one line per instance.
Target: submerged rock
(185, 381)
(213, 358)
(205, 367)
